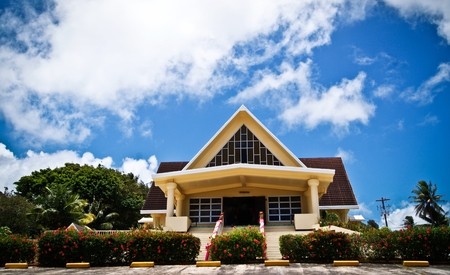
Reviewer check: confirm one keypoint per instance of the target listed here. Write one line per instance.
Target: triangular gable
(244, 147)
(243, 117)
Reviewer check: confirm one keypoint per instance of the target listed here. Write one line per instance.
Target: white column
(180, 199)
(314, 196)
(170, 198)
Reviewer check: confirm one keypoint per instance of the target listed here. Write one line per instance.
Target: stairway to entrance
(273, 234)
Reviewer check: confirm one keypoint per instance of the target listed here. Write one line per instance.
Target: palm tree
(427, 200)
(60, 207)
(408, 221)
(102, 220)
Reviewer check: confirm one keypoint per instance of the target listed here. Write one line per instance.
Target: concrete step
(203, 233)
(272, 233)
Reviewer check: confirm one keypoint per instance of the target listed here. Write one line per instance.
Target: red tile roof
(339, 192)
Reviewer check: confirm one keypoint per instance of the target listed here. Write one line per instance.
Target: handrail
(217, 231)
(262, 231)
(261, 222)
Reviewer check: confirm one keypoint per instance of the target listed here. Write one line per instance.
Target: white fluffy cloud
(437, 11)
(72, 65)
(13, 168)
(303, 102)
(140, 167)
(428, 90)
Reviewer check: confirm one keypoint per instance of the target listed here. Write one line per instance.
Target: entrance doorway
(243, 210)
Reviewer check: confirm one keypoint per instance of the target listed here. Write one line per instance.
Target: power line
(384, 212)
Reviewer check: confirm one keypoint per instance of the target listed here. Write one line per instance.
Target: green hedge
(242, 245)
(320, 246)
(16, 249)
(56, 248)
(418, 243)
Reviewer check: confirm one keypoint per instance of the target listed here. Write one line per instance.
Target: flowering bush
(413, 243)
(163, 247)
(379, 244)
(15, 249)
(56, 248)
(320, 246)
(417, 243)
(242, 245)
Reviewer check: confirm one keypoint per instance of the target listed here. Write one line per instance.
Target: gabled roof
(339, 192)
(243, 117)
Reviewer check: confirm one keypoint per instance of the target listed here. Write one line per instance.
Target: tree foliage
(427, 207)
(13, 213)
(373, 224)
(116, 192)
(60, 207)
(408, 222)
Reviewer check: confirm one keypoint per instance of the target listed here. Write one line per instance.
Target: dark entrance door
(243, 210)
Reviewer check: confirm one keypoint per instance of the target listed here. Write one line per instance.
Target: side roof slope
(340, 191)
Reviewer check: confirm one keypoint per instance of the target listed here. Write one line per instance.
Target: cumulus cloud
(140, 167)
(13, 168)
(66, 68)
(428, 90)
(436, 11)
(396, 217)
(347, 156)
(301, 101)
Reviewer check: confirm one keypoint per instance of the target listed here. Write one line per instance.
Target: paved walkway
(294, 268)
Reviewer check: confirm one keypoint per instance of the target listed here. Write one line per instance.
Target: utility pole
(383, 209)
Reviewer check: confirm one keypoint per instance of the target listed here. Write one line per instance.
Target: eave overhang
(243, 175)
(338, 207)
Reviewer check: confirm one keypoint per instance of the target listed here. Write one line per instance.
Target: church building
(242, 170)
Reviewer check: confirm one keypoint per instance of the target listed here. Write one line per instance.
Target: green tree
(102, 220)
(427, 207)
(408, 221)
(60, 207)
(117, 193)
(13, 214)
(373, 224)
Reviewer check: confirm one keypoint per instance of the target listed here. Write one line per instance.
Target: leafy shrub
(163, 247)
(320, 246)
(420, 243)
(15, 249)
(242, 245)
(56, 248)
(379, 244)
(4, 231)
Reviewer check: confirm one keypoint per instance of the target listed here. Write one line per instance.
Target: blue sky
(131, 84)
